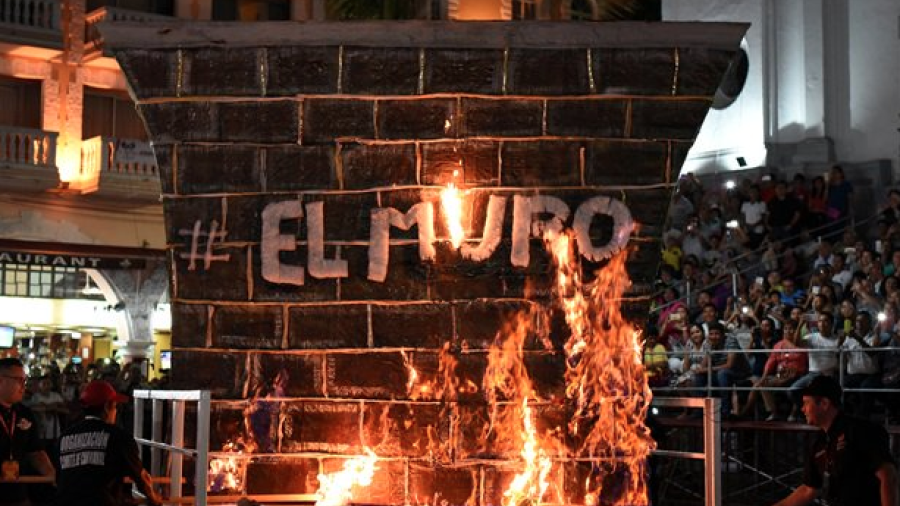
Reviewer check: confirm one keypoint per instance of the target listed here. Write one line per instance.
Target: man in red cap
(95, 455)
(849, 463)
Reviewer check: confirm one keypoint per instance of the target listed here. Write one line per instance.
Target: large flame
(605, 378)
(336, 489)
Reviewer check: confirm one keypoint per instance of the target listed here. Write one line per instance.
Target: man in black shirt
(95, 455)
(784, 214)
(849, 463)
(20, 445)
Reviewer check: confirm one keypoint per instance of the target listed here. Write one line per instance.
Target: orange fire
(605, 378)
(336, 489)
(606, 393)
(451, 202)
(226, 473)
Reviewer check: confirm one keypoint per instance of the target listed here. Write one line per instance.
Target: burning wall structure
(402, 248)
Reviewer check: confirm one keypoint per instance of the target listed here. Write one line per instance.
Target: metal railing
(712, 443)
(175, 448)
(27, 147)
(841, 354)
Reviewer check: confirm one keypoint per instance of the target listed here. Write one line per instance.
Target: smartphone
(816, 289)
(759, 280)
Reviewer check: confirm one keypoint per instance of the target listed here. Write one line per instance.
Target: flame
(226, 473)
(451, 202)
(336, 489)
(605, 385)
(605, 377)
(508, 388)
(530, 485)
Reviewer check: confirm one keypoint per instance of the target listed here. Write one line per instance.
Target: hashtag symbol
(211, 237)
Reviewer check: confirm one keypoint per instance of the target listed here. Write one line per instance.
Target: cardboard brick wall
(373, 115)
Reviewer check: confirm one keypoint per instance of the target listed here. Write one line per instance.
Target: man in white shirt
(822, 362)
(841, 274)
(753, 214)
(863, 369)
(824, 256)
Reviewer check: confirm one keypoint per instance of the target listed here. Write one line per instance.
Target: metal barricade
(712, 442)
(176, 448)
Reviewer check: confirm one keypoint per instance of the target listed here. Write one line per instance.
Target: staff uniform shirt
(25, 440)
(843, 461)
(94, 457)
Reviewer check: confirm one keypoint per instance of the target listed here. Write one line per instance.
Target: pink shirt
(791, 358)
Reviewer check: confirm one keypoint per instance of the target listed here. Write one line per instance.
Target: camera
(733, 224)
(745, 310)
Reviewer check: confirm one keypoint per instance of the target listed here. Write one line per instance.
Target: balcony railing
(31, 21)
(27, 147)
(27, 159)
(119, 167)
(93, 41)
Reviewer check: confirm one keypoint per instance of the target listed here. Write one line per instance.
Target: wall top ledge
(123, 35)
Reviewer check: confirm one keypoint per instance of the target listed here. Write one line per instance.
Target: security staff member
(95, 455)
(850, 462)
(20, 445)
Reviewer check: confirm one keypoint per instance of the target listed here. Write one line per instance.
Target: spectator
(791, 294)
(48, 407)
(825, 254)
(674, 336)
(840, 192)
(724, 367)
(823, 359)
(816, 204)
(846, 317)
(694, 356)
(784, 366)
(784, 214)
(841, 275)
(656, 361)
(709, 316)
(753, 217)
(862, 364)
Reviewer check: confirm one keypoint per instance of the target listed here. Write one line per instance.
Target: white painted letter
(493, 232)
(315, 233)
(623, 225)
(421, 214)
(274, 242)
(526, 226)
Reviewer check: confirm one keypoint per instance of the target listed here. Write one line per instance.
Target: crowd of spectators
(767, 283)
(53, 393)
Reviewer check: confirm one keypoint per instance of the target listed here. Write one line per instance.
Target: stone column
(138, 291)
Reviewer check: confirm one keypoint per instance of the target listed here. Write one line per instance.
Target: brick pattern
(317, 372)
